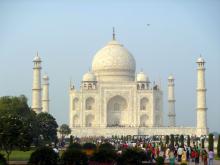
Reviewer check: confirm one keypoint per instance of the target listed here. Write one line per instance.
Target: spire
(113, 33)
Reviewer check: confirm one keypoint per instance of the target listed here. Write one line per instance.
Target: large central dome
(114, 63)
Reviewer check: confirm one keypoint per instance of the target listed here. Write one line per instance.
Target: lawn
(18, 155)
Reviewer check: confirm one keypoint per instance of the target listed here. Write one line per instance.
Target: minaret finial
(113, 33)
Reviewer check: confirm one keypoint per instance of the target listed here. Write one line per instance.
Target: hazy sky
(67, 35)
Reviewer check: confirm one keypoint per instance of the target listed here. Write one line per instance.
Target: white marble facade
(114, 100)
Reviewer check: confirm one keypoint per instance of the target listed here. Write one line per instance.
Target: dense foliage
(44, 156)
(132, 156)
(20, 126)
(64, 130)
(47, 127)
(2, 160)
(74, 156)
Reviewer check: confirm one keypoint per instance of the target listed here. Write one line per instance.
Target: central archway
(115, 107)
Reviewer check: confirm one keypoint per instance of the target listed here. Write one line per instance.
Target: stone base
(109, 131)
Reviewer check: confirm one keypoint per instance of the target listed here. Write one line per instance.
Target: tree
(2, 160)
(72, 156)
(218, 147)
(14, 105)
(15, 132)
(64, 130)
(47, 127)
(211, 142)
(132, 156)
(44, 155)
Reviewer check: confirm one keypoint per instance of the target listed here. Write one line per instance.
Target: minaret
(171, 102)
(201, 95)
(45, 94)
(36, 88)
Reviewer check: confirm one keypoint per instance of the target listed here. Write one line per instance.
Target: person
(172, 158)
(179, 153)
(197, 153)
(211, 157)
(205, 156)
(183, 156)
(193, 155)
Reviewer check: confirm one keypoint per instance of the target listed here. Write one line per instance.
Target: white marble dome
(46, 77)
(37, 58)
(89, 76)
(114, 63)
(142, 77)
(200, 60)
(171, 77)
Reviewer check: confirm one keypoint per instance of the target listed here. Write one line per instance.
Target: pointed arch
(89, 120)
(143, 103)
(90, 103)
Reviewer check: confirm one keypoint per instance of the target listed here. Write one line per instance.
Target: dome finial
(113, 33)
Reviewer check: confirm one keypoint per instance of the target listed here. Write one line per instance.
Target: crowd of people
(153, 149)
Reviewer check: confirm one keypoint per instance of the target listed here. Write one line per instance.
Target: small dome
(142, 77)
(37, 58)
(89, 76)
(45, 77)
(171, 77)
(200, 60)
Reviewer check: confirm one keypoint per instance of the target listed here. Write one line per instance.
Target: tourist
(183, 156)
(193, 153)
(197, 153)
(211, 157)
(172, 158)
(179, 153)
(205, 157)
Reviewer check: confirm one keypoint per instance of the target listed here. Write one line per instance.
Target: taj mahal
(115, 100)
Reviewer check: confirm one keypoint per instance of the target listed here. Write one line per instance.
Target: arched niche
(89, 120)
(115, 106)
(143, 103)
(89, 104)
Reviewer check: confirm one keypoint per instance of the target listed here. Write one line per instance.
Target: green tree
(64, 130)
(14, 105)
(211, 141)
(2, 160)
(43, 156)
(15, 132)
(132, 156)
(47, 127)
(218, 147)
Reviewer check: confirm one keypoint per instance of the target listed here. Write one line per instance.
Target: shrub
(74, 156)
(104, 156)
(106, 146)
(89, 146)
(132, 156)
(2, 160)
(159, 160)
(44, 156)
(75, 146)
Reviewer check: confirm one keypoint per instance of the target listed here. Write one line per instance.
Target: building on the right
(201, 108)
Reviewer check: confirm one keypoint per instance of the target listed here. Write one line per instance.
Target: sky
(67, 34)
